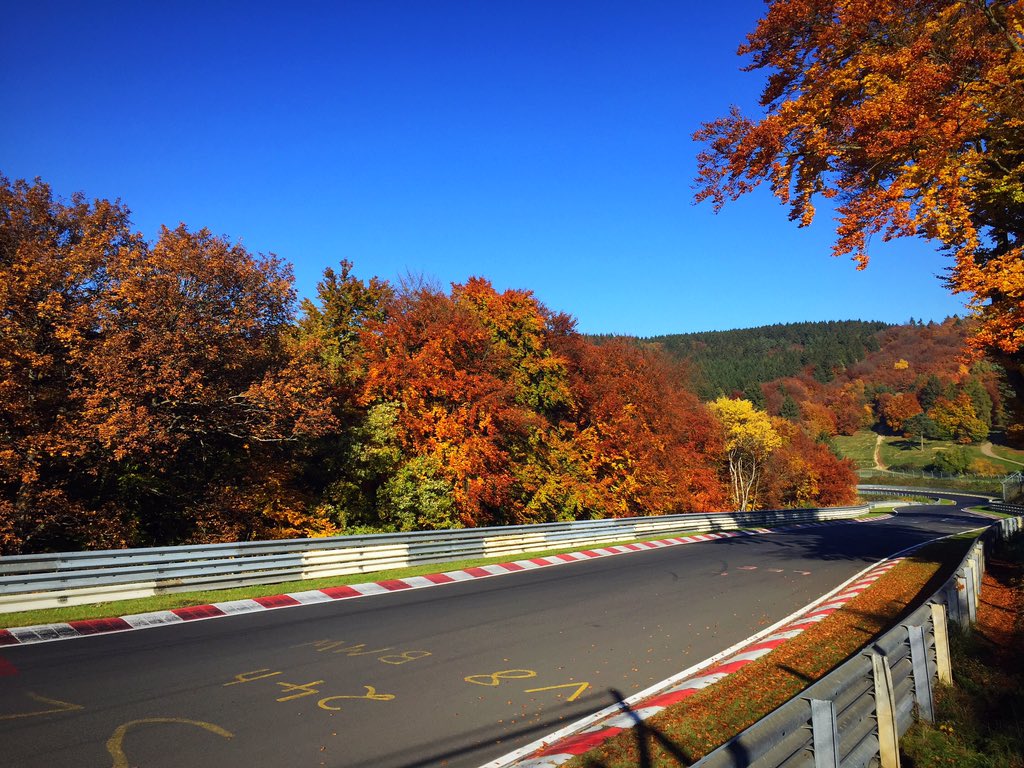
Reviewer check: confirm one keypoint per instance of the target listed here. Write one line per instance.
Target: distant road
(454, 675)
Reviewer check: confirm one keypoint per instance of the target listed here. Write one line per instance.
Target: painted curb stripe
(276, 601)
(6, 638)
(194, 612)
(154, 619)
(96, 626)
(340, 593)
(394, 585)
(90, 627)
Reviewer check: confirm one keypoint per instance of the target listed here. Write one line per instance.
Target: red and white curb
(584, 735)
(42, 633)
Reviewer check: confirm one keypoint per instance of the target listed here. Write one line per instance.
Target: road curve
(455, 675)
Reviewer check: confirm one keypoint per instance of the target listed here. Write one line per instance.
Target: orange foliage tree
(804, 472)
(657, 447)
(911, 112)
(456, 410)
(52, 260)
(508, 415)
(894, 409)
(143, 383)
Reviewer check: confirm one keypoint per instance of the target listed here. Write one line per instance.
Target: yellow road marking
(371, 695)
(248, 677)
(115, 744)
(55, 706)
(580, 688)
(495, 678)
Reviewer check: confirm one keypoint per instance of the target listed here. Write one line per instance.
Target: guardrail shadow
(645, 735)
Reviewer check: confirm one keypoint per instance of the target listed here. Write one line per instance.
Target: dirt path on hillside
(986, 448)
(878, 455)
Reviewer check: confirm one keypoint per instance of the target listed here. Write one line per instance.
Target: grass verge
(990, 511)
(686, 732)
(980, 719)
(112, 608)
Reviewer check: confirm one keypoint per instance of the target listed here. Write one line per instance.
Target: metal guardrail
(1016, 510)
(919, 490)
(77, 578)
(853, 717)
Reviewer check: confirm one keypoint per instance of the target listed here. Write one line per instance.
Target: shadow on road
(644, 736)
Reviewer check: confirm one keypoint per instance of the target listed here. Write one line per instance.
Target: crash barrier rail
(870, 488)
(854, 716)
(1015, 510)
(78, 578)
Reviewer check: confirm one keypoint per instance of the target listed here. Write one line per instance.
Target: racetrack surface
(455, 675)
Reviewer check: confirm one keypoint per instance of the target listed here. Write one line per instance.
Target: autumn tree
(656, 447)
(850, 408)
(804, 472)
(152, 394)
(53, 258)
(456, 406)
(895, 409)
(957, 419)
(750, 438)
(818, 419)
(909, 113)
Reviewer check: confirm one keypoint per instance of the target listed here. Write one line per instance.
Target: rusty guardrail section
(78, 578)
(854, 716)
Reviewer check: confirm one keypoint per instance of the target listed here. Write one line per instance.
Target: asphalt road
(454, 675)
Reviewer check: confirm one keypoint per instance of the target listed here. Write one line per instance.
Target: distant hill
(740, 361)
(839, 377)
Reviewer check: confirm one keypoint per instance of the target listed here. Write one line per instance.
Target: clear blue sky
(543, 145)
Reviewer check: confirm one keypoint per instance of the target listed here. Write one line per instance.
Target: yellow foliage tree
(750, 439)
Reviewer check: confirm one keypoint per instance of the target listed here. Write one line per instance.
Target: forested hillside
(739, 361)
(836, 378)
(175, 391)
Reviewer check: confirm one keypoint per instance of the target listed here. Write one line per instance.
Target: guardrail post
(922, 674)
(951, 602)
(963, 609)
(825, 733)
(885, 712)
(971, 584)
(943, 663)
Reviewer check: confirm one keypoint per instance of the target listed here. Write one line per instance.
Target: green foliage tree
(790, 410)
(953, 461)
(921, 427)
(930, 392)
